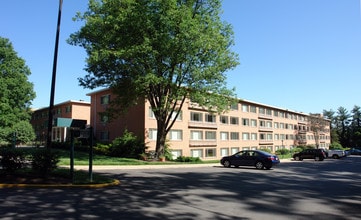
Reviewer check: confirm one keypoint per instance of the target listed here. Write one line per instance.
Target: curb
(100, 185)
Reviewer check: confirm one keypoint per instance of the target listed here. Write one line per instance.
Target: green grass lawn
(82, 158)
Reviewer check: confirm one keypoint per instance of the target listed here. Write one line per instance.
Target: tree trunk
(161, 138)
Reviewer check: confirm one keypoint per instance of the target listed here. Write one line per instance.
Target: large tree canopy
(16, 93)
(161, 50)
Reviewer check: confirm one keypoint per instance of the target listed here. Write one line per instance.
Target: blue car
(257, 158)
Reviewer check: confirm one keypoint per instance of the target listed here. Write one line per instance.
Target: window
(223, 119)
(253, 122)
(245, 121)
(275, 125)
(254, 136)
(224, 152)
(269, 136)
(234, 136)
(262, 111)
(269, 124)
(245, 136)
(176, 154)
(234, 150)
(104, 135)
(224, 136)
(253, 109)
(210, 118)
(262, 123)
(282, 136)
(196, 135)
(234, 106)
(210, 135)
(175, 135)
(197, 153)
(104, 118)
(68, 108)
(269, 112)
(151, 113)
(282, 126)
(152, 134)
(58, 111)
(275, 113)
(245, 108)
(210, 152)
(195, 116)
(276, 136)
(180, 115)
(104, 100)
(234, 121)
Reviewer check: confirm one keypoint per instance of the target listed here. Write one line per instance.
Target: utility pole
(52, 91)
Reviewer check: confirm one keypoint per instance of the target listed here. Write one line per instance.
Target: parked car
(335, 154)
(316, 154)
(257, 158)
(354, 151)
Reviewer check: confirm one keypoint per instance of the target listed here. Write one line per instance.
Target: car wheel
(297, 158)
(259, 165)
(335, 157)
(317, 158)
(227, 163)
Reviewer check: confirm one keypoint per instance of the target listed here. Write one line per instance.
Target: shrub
(44, 160)
(12, 158)
(266, 150)
(336, 146)
(102, 149)
(283, 151)
(128, 146)
(187, 159)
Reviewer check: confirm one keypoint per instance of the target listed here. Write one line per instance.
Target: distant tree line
(345, 126)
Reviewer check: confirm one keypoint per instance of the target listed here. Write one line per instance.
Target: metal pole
(52, 92)
(91, 154)
(72, 154)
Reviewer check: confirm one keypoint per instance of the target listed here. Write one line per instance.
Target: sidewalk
(154, 166)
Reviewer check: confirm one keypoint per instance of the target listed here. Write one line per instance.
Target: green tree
(343, 126)
(16, 94)
(164, 51)
(330, 115)
(355, 127)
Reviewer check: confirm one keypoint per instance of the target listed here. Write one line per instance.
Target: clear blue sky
(303, 55)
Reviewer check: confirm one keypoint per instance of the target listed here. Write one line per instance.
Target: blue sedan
(256, 158)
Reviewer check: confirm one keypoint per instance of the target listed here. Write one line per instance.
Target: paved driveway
(295, 190)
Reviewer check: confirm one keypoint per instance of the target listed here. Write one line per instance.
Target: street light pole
(52, 91)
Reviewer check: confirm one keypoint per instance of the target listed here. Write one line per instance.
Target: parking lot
(306, 189)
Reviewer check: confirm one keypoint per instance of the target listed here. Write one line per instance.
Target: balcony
(201, 124)
(267, 129)
(265, 116)
(263, 142)
(196, 143)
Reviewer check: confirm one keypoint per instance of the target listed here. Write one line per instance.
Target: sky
(301, 55)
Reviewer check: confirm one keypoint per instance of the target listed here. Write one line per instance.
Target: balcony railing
(193, 143)
(201, 124)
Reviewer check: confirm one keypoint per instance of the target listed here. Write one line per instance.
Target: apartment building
(198, 133)
(65, 115)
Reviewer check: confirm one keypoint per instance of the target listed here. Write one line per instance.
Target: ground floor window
(224, 152)
(234, 150)
(104, 135)
(210, 152)
(197, 153)
(176, 154)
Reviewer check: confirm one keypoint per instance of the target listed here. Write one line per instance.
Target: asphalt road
(330, 189)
